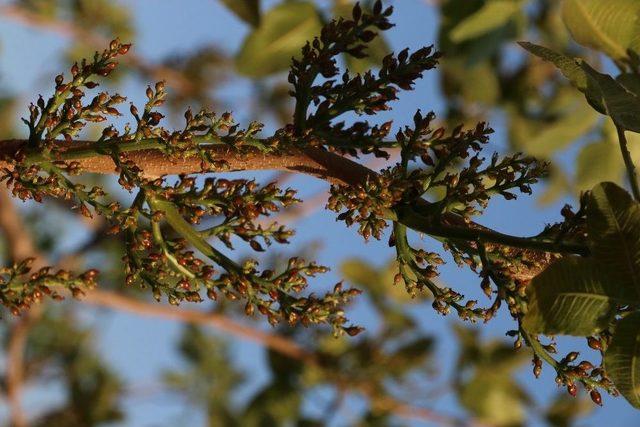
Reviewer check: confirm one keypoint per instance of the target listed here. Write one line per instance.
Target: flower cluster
(21, 285)
(160, 225)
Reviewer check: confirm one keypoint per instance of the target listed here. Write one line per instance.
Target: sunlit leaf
(559, 134)
(602, 91)
(568, 66)
(598, 161)
(611, 26)
(494, 398)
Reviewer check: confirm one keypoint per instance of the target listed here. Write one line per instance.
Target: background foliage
(401, 371)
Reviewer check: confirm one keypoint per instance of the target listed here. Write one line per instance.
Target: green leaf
(360, 273)
(247, 10)
(622, 358)
(611, 26)
(597, 162)
(491, 16)
(475, 83)
(282, 32)
(571, 297)
(602, 91)
(569, 67)
(613, 223)
(631, 82)
(562, 132)
(494, 398)
(620, 104)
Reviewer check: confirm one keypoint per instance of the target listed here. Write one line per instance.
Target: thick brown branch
(317, 162)
(310, 161)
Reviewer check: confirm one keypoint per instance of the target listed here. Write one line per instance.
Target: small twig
(15, 368)
(628, 163)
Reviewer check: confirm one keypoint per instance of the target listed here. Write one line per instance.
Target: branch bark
(316, 162)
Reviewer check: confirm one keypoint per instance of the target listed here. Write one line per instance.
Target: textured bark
(317, 162)
(310, 161)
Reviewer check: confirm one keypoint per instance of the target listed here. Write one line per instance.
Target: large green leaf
(630, 82)
(622, 358)
(491, 16)
(611, 26)
(247, 10)
(613, 223)
(282, 32)
(573, 296)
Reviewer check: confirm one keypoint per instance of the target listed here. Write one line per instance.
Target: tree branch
(312, 161)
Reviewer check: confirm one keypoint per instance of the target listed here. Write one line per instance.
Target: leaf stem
(628, 162)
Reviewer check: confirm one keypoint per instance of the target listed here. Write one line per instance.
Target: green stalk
(628, 163)
(182, 227)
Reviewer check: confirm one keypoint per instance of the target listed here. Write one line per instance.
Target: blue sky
(142, 347)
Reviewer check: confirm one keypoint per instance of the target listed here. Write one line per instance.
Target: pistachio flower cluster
(21, 285)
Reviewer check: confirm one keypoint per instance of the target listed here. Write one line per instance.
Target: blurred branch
(20, 246)
(69, 29)
(18, 336)
(282, 345)
(218, 321)
(19, 243)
